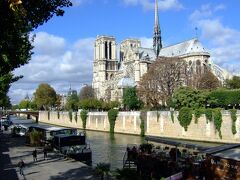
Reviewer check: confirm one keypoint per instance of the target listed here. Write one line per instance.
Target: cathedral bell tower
(157, 39)
(104, 64)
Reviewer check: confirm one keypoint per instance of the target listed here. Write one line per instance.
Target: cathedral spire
(157, 39)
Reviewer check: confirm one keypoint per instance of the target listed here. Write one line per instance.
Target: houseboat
(73, 146)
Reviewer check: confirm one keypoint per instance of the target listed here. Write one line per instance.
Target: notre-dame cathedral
(112, 74)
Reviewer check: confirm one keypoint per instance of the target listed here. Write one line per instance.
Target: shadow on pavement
(82, 173)
(7, 170)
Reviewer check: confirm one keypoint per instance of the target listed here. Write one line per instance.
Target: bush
(172, 116)
(102, 169)
(125, 174)
(112, 116)
(234, 118)
(91, 104)
(143, 118)
(185, 117)
(35, 138)
(48, 115)
(58, 114)
(217, 117)
(223, 98)
(209, 114)
(70, 115)
(84, 116)
(75, 117)
(198, 113)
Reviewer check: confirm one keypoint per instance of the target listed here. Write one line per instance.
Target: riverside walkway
(13, 149)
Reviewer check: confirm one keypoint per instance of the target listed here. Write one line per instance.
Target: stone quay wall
(158, 123)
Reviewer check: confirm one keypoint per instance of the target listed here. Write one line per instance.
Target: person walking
(21, 165)
(44, 153)
(34, 153)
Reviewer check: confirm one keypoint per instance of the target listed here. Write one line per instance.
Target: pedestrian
(21, 165)
(34, 153)
(44, 153)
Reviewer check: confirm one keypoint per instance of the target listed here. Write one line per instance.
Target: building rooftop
(183, 48)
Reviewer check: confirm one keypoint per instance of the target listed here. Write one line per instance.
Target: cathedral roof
(126, 82)
(184, 48)
(181, 49)
(146, 54)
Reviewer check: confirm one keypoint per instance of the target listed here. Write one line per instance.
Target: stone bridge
(29, 114)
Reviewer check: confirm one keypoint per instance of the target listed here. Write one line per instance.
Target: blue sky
(63, 52)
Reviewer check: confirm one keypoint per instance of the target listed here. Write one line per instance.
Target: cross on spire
(157, 39)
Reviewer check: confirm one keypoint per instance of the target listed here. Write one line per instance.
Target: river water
(111, 150)
(108, 149)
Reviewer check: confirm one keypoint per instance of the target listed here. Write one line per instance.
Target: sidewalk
(12, 150)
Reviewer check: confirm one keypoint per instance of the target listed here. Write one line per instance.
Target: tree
(163, 77)
(58, 102)
(24, 104)
(18, 18)
(189, 97)
(208, 81)
(225, 98)
(72, 102)
(233, 83)
(130, 98)
(45, 96)
(5, 82)
(86, 92)
(90, 104)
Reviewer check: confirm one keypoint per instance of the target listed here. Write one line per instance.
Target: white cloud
(78, 2)
(149, 4)
(57, 65)
(224, 41)
(48, 44)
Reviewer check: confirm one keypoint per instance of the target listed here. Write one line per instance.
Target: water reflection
(108, 149)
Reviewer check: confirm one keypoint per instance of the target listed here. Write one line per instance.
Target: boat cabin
(50, 131)
(74, 146)
(223, 162)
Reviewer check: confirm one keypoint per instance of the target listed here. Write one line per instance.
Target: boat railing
(130, 156)
(124, 159)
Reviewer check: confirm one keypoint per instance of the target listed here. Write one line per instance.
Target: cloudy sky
(63, 53)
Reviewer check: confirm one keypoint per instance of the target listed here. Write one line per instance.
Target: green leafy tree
(130, 99)
(189, 97)
(45, 96)
(25, 104)
(225, 98)
(5, 81)
(18, 19)
(90, 104)
(72, 102)
(233, 83)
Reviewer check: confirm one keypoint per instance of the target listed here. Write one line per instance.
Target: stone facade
(129, 123)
